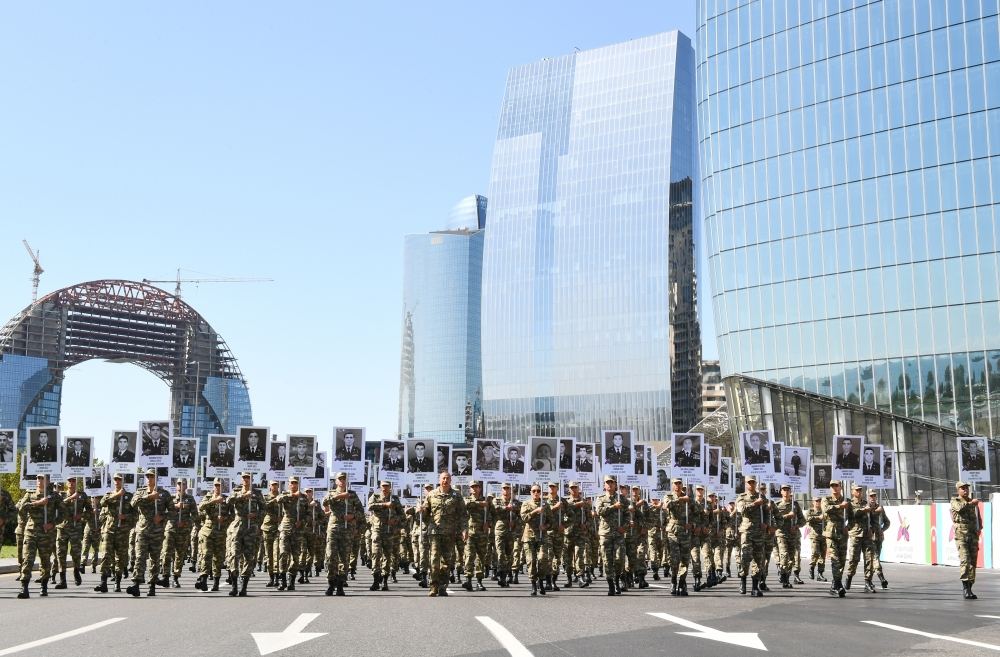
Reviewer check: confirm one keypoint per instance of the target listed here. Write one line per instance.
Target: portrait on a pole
(251, 449)
(973, 460)
(301, 456)
(687, 451)
(184, 458)
(76, 456)
(486, 459)
(221, 456)
(847, 459)
(155, 436)
(123, 452)
(618, 454)
(755, 453)
(420, 461)
(348, 451)
(8, 451)
(43, 451)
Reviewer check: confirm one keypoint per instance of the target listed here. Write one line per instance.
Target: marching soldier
(215, 518)
(119, 518)
(477, 547)
(751, 507)
(657, 521)
(294, 508)
(815, 520)
(92, 534)
(446, 511)
(789, 519)
(69, 532)
(269, 529)
(968, 524)
(613, 514)
(43, 509)
(880, 523)
(537, 516)
(358, 528)
(248, 507)
(711, 546)
(859, 532)
(732, 536)
(340, 512)
(836, 513)
(699, 529)
(506, 524)
(153, 505)
(678, 536)
(386, 513)
(177, 535)
(576, 537)
(555, 535)
(637, 537)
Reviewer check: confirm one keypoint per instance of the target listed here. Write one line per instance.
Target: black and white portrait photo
(420, 456)
(755, 452)
(847, 459)
(442, 458)
(223, 454)
(392, 456)
(566, 453)
(726, 472)
(871, 466)
(43, 451)
(662, 482)
(252, 443)
(279, 456)
(973, 459)
(347, 443)
(583, 462)
(543, 454)
(714, 456)
(8, 449)
(154, 439)
(513, 458)
(618, 454)
(687, 450)
(301, 455)
(184, 458)
(822, 475)
(888, 469)
(93, 482)
(486, 458)
(461, 461)
(795, 466)
(123, 451)
(76, 456)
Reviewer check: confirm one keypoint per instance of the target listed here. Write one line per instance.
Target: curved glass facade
(440, 383)
(595, 154)
(850, 165)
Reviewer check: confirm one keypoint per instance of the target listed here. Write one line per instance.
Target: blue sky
(296, 141)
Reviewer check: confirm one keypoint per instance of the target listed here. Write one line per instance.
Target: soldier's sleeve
(525, 513)
(136, 498)
(800, 517)
(741, 505)
(23, 502)
(825, 506)
(884, 522)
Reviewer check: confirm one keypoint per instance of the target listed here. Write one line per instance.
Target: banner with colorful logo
(908, 538)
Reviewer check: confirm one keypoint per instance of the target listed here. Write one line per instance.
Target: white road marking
(985, 616)
(506, 639)
(968, 642)
(268, 642)
(745, 639)
(59, 637)
(660, 586)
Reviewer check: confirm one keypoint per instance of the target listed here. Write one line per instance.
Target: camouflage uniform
(711, 550)
(152, 514)
(215, 518)
(967, 524)
(506, 526)
(177, 537)
(861, 542)
(754, 539)
(338, 539)
(39, 535)
(118, 521)
(294, 509)
(248, 510)
(555, 535)
(269, 528)
(678, 540)
(447, 518)
(698, 519)
(612, 536)
(386, 514)
(92, 533)
(818, 542)
(576, 540)
(69, 537)
(636, 539)
(477, 546)
(535, 538)
(788, 536)
(835, 531)
(880, 523)
(358, 526)
(654, 538)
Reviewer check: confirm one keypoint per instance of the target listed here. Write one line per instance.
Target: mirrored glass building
(850, 176)
(440, 380)
(585, 323)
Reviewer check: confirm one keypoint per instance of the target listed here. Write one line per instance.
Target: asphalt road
(581, 622)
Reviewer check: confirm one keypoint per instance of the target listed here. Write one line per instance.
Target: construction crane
(224, 279)
(37, 274)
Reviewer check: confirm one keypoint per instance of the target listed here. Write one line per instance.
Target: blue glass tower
(850, 179)
(593, 163)
(440, 382)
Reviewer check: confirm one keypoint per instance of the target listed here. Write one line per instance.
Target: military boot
(762, 584)
(534, 587)
(719, 576)
(385, 583)
(78, 576)
(118, 583)
(850, 578)
(93, 567)
(423, 581)
(376, 580)
(177, 581)
(541, 585)
(623, 583)
(291, 583)
(393, 576)
(467, 584)
(282, 582)
(712, 580)
(406, 567)
(272, 582)
(234, 586)
(163, 582)
(62, 580)
(516, 580)
(797, 579)
(838, 588)
(611, 586)
(682, 586)
(103, 586)
(756, 591)
(743, 585)
(885, 582)
(201, 583)
(479, 583)
(589, 577)
(969, 595)
(569, 580)
(656, 574)
(340, 585)
(697, 583)
(812, 571)
(819, 574)
(643, 584)
(554, 583)
(133, 590)
(215, 583)
(243, 585)
(152, 589)
(23, 595)
(869, 586)
(502, 579)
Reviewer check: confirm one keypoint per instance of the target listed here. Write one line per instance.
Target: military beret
(574, 484)
(150, 472)
(293, 480)
(117, 475)
(784, 486)
(677, 480)
(246, 474)
(962, 484)
(384, 483)
(340, 475)
(751, 479)
(608, 478)
(216, 482)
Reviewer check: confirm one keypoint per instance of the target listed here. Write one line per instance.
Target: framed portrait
(565, 462)
(461, 466)
(726, 474)
(585, 466)
(221, 456)
(714, 465)
(618, 454)
(486, 459)
(301, 456)
(662, 479)
(95, 482)
(739, 482)
(252, 449)
(888, 469)
(348, 451)
(871, 466)
(123, 452)
(755, 452)
(687, 454)
(973, 459)
(393, 461)
(847, 457)
(184, 458)
(442, 458)
(775, 475)
(155, 446)
(319, 478)
(44, 455)
(544, 464)
(26, 481)
(76, 456)
(822, 475)
(373, 451)
(420, 461)
(514, 469)
(795, 463)
(8, 451)
(279, 456)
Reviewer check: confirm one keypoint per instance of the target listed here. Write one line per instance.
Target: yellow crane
(37, 274)
(220, 279)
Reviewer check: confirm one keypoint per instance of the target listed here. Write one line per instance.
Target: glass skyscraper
(440, 380)
(592, 170)
(850, 177)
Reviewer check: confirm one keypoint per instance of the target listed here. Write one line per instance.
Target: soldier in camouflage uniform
(358, 528)
(153, 506)
(92, 534)
(420, 537)
(817, 560)
(269, 528)
(248, 509)
(636, 539)
(445, 510)
(711, 551)
(177, 535)
(537, 517)
(215, 515)
(836, 513)
(613, 514)
(968, 524)
(339, 508)
(677, 536)
(69, 534)
(22, 521)
(732, 536)
(506, 525)
(789, 519)
(8, 512)
(699, 529)
(555, 535)
(880, 523)
(43, 509)
(386, 513)
(118, 518)
(576, 536)
(859, 532)
(654, 537)
(295, 510)
(477, 547)
(752, 509)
